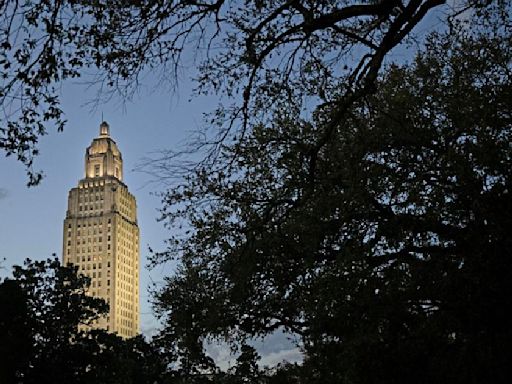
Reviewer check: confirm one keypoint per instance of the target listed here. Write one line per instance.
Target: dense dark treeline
(44, 303)
(42, 306)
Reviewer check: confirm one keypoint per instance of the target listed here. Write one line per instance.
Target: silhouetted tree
(15, 335)
(43, 305)
(384, 247)
(113, 360)
(52, 301)
(246, 369)
(264, 52)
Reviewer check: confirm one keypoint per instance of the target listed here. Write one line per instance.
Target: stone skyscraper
(101, 235)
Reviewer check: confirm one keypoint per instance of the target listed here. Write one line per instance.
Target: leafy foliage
(262, 53)
(43, 305)
(246, 369)
(386, 247)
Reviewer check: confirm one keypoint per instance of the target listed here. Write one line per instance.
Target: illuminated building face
(101, 235)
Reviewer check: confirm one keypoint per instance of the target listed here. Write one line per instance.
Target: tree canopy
(385, 248)
(259, 54)
(43, 340)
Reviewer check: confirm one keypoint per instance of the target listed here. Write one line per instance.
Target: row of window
(91, 197)
(89, 249)
(90, 223)
(89, 240)
(94, 186)
(93, 258)
(90, 231)
(95, 278)
(94, 275)
(92, 207)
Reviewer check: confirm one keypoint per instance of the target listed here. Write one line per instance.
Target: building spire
(104, 129)
(102, 157)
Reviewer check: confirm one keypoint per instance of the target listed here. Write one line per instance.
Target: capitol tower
(101, 235)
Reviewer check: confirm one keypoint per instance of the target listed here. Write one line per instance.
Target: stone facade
(101, 235)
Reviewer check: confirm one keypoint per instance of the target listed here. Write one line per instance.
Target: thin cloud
(3, 193)
(293, 355)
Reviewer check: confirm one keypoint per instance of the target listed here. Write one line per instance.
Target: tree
(48, 303)
(14, 332)
(385, 248)
(43, 305)
(267, 53)
(246, 369)
(113, 360)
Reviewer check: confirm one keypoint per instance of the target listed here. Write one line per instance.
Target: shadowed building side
(101, 235)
